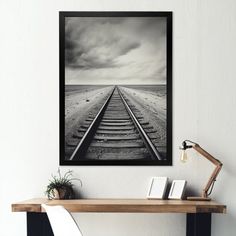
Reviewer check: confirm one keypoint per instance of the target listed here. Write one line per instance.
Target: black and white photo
(115, 88)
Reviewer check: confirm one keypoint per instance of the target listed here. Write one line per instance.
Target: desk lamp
(210, 183)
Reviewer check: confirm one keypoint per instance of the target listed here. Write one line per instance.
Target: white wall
(204, 102)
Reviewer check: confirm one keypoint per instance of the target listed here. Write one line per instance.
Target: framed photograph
(177, 189)
(115, 88)
(157, 188)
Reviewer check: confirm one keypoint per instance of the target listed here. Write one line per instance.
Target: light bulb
(184, 156)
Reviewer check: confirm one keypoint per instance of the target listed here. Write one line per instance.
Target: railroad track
(115, 133)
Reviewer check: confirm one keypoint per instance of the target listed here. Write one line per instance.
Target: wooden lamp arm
(216, 171)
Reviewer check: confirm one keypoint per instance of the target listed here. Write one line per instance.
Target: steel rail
(154, 153)
(87, 137)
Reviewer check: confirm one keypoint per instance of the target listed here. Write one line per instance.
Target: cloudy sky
(102, 50)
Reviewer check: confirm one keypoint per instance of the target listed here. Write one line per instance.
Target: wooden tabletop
(123, 205)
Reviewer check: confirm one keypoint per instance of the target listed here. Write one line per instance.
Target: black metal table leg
(38, 224)
(198, 224)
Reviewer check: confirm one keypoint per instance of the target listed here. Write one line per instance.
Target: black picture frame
(62, 142)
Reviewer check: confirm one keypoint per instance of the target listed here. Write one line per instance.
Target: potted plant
(61, 186)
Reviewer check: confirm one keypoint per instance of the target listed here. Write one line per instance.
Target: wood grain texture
(31, 205)
(123, 205)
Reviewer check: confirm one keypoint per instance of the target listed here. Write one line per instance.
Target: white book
(157, 188)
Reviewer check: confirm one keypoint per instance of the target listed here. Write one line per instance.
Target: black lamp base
(198, 198)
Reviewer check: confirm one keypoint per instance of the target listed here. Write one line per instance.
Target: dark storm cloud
(93, 45)
(78, 57)
(114, 21)
(73, 49)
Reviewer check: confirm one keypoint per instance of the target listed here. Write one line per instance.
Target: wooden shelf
(123, 205)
